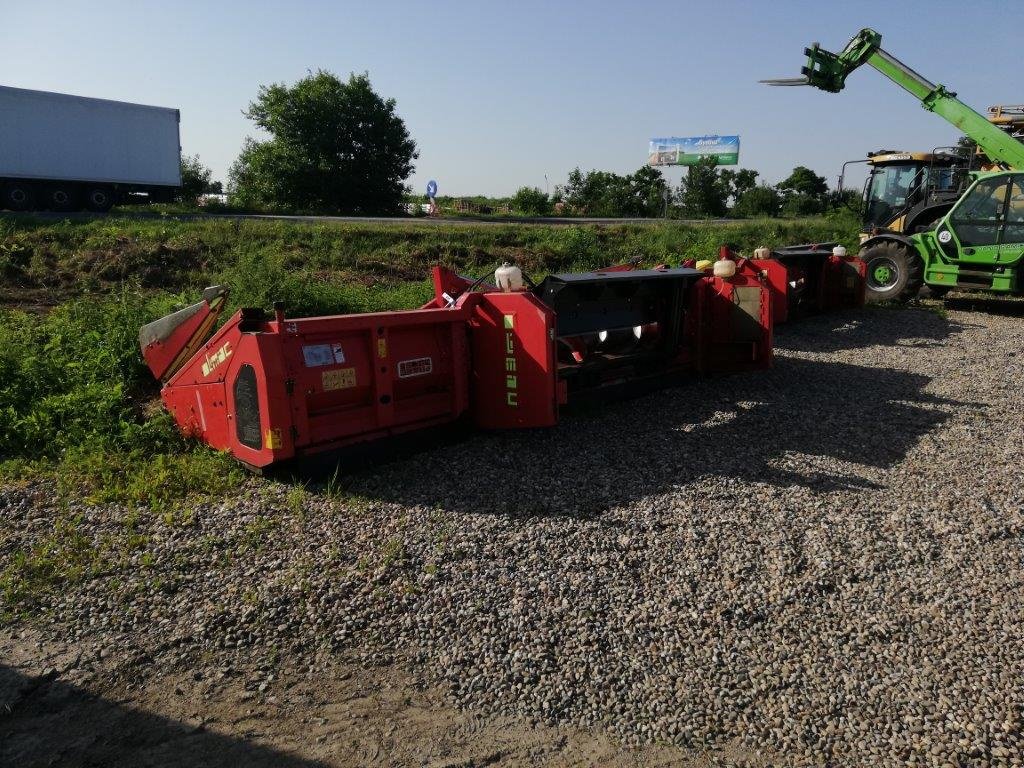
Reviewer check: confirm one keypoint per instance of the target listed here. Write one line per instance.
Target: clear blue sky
(499, 94)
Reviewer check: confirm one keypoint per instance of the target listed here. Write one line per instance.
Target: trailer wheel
(99, 199)
(62, 198)
(895, 273)
(17, 197)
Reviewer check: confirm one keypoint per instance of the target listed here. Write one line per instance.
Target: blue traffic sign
(431, 188)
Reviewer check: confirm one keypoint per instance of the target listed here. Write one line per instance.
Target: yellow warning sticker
(339, 378)
(273, 439)
(382, 347)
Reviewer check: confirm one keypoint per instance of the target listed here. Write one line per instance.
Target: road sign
(431, 188)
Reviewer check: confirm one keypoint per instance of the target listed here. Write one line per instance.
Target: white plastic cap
(839, 251)
(725, 268)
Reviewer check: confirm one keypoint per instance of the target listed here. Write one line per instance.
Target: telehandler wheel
(895, 273)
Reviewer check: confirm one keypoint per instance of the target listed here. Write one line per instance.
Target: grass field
(77, 403)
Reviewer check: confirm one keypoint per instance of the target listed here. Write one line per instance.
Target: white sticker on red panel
(419, 366)
(316, 355)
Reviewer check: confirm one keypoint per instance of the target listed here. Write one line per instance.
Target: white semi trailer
(65, 153)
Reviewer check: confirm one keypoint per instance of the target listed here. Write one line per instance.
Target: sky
(500, 95)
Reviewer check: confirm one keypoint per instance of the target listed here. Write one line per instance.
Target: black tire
(99, 199)
(895, 272)
(62, 198)
(18, 197)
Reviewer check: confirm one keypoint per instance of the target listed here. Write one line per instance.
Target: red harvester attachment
(267, 389)
(816, 277)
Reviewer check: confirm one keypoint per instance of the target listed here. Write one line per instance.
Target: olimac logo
(511, 378)
(212, 362)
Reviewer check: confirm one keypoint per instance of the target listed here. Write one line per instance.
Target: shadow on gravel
(47, 722)
(1006, 307)
(868, 327)
(822, 425)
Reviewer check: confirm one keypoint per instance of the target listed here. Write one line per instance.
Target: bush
(74, 399)
(530, 201)
(757, 202)
(803, 205)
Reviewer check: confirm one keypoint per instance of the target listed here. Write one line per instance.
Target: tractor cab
(907, 192)
(980, 242)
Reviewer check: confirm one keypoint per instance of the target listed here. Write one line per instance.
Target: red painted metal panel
(514, 367)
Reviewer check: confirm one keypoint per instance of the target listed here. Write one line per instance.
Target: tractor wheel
(895, 272)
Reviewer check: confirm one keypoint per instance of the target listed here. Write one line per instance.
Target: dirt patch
(72, 705)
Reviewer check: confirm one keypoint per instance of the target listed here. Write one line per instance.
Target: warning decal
(339, 378)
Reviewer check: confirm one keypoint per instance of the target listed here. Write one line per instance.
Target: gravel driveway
(822, 564)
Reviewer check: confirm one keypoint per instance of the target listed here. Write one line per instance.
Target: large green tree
(738, 182)
(804, 192)
(702, 192)
(334, 147)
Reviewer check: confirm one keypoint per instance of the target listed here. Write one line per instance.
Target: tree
(702, 192)
(603, 193)
(335, 147)
(802, 205)
(195, 178)
(804, 181)
(648, 189)
(804, 192)
(530, 201)
(758, 201)
(738, 182)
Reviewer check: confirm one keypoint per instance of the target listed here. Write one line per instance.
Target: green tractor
(979, 243)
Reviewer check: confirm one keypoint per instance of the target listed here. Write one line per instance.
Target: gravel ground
(822, 564)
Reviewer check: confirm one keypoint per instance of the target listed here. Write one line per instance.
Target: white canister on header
(509, 277)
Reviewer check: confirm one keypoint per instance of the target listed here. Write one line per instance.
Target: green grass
(347, 266)
(76, 405)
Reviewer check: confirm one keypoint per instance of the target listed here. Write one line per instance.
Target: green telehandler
(979, 243)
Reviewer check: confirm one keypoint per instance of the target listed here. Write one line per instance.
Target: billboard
(673, 150)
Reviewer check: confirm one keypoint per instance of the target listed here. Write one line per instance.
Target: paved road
(404, 220)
